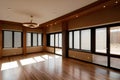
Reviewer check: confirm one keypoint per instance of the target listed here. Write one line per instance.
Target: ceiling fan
(31, 24)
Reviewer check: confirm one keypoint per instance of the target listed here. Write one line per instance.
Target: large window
(17, 39)
(115, 40)
(101, 60)
(12, 39)
(70, 40)
(76, 40)
(115, 62)
(39, 39)
(8, 39)
(86, 39)
(80, 39)
(34, 39)
(51, 39)
(56, 40)
(60, 40)
(29, 39)
(100, 39)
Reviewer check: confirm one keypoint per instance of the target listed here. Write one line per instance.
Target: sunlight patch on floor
(46, 57)
(9, 65)
(27, 61)
(39, 59)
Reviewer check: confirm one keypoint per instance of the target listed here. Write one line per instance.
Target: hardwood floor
(52, 67)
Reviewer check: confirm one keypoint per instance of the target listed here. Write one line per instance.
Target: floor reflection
(53, 67)
(9, 65)
(27, 61)
(39, 59)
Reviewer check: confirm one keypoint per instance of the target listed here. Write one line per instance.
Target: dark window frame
(32, 39)
(108, 55)
(41, 39)
(48, 39)
(13, 34)
(82, 50)
(21, 38)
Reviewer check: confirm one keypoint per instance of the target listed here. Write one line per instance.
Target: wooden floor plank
(45, 66)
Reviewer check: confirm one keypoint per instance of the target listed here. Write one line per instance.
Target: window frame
(32, 39)
(82, 50)
(93, 51)
(21, 38)
(13, 44)
(41, 39)
(48, 39)
(106, 40)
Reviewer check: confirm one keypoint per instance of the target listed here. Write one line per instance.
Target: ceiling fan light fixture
(31, 24)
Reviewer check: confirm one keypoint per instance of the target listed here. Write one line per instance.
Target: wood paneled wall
(51, 29)
(54, 28)
(50, 49)
(5, 25)
(105, 15)
(24, 40)
(80, 55)
(44, 39)
(0, 41)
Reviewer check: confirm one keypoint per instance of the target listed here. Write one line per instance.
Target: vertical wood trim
(65, 39)
(0, 41)
(24, 41)
(44, 39)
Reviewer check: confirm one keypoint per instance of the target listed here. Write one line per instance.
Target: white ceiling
(42, 10)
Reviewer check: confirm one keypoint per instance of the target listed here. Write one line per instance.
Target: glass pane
(115, 62)
(56, 40)
(34, 39)
(70, 40)
(52, 40)
(86, 39)
(58, 51)
(7, 39)
(17, 39)
(39, 39)
(101, 40)
(76, 40)
(60, 39)
(115, 40)
(28, 39)
(102, 60)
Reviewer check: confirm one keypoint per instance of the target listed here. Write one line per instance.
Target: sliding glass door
(58, 43)
(107, 46)
(100, 56)
(115, 47)
(54, 40)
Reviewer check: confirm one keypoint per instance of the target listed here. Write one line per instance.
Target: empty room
(59, 39)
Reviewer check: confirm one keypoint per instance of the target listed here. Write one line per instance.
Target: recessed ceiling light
(116, 2)
(104, 6)
(76, 16)
(9, 8)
